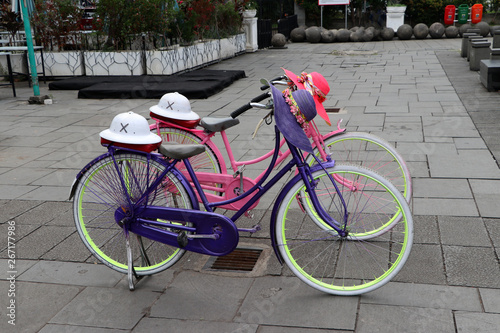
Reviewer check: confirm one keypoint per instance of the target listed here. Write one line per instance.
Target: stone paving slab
(474, 231)
(426, 296)
(491, 300)
(56, 328)
(20, 267)
(441, 188)
(395, 319)
(36, 304)
(464, 165)
(77, 274)
(487, 193)
(470, 322)
(443, 206)
(106, 307)
(192, 296)
(472, 266)
(153, 325)
(427, 259)
(278, 301)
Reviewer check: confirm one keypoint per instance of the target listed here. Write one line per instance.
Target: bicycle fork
(311, 183)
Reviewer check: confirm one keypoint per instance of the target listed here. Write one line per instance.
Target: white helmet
(175, 106)
(130, 128)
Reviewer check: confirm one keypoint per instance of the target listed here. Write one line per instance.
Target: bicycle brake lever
(266, 119)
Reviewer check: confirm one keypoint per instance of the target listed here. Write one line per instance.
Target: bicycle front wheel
(371, 254)
(373, 152)
(100, 193)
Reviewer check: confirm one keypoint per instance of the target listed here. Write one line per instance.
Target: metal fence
(266, 29)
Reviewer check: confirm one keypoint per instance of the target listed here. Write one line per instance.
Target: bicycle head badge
(293, 111)
(174, 107)
(316, 85)
(130, 130)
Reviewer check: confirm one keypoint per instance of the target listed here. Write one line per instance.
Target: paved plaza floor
(418, 94)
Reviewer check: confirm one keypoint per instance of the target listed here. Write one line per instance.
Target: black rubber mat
(197, 84)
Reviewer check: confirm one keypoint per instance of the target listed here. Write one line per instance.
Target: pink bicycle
(186, 127)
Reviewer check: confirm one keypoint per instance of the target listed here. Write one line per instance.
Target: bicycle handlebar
(266, 86)
(247, 106)
(240, 110)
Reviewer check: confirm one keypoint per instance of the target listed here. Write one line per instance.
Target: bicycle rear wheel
(370, 255)
(204, 162)
(373, 152)
(100, 194)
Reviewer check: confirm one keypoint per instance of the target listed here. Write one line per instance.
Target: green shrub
(9, 20)
(55, 21)
(227, 20)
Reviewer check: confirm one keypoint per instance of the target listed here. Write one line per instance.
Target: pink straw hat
(317, 85)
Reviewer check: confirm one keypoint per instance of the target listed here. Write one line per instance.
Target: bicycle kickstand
(131, 271)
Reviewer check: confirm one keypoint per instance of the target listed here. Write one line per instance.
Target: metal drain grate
(238, 260)
(332, 110)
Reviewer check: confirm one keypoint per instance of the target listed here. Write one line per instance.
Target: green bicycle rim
(361, 235)
(97, 251)
(355, 288)
(400, 168)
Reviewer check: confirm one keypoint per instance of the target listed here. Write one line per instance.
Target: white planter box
(60, 63)
(395, 17)
(165, 62)
(181, 58)
(113, 63)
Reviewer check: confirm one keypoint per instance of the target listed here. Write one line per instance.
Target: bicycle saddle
(213, 124)
(180, 152)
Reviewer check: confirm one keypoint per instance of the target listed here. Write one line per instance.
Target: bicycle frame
(209, 226)
(205, 137)
(227, 182)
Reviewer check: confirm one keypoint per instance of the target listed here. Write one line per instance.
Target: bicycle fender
(280, 198)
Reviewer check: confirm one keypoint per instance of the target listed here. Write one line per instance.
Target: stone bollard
(479, 50)
(436, 30)
(278, 41)
(468, 41)
(298, 35)
(469, 45)
(496, 38)
(495, 54)
(463, 51)
(474, 31)
(405, 32)
(483, 27)
(451, 32)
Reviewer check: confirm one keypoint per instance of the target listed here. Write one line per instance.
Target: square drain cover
(238, 260)
(332, 110)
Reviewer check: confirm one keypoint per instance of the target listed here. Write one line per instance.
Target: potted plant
(10, 21)
(249, 8)
(396, 6)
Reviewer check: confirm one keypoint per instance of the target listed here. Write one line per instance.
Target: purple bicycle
(341, 229)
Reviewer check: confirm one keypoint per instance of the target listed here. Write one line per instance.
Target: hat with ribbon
(317, 85)
(293, 111)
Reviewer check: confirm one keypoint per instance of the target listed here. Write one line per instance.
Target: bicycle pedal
(182, 240)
